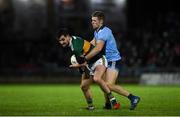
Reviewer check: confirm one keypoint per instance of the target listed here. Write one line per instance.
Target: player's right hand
(81, 59)
(78, 65)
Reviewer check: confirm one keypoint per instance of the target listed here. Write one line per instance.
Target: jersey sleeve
(102, 35)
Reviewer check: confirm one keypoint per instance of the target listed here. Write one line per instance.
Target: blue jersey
(111, 51)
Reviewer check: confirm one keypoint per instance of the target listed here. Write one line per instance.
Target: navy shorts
(115, 65)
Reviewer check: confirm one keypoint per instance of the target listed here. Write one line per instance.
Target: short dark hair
(99, 14)
(63, 31)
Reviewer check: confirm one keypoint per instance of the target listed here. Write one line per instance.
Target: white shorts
(101, 61)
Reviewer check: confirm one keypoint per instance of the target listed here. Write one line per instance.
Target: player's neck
(99, 27)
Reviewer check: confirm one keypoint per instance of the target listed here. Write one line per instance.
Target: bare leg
(99, 71)
(110, 79)
(85, 87)
(111, 76)
(98, 74)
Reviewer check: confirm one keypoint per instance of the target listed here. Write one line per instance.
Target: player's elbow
(98, 49)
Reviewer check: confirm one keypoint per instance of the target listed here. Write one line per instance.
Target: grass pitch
(68, 100)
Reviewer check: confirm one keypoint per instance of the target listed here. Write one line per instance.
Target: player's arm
(93, 42)
(98, 47)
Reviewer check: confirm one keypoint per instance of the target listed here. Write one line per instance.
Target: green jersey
(82, 47)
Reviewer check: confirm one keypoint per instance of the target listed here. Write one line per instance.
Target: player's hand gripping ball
(73, 60)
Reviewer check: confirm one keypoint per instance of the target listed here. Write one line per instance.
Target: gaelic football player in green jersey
(97, 66)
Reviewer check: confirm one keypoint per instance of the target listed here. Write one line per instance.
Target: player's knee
(84, 87)
(97, 80)
(110, 85)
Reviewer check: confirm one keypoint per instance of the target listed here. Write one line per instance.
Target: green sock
(89, 102)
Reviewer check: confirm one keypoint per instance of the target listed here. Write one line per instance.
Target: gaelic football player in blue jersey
(103, 37)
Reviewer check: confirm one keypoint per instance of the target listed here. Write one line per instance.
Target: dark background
(147, 33)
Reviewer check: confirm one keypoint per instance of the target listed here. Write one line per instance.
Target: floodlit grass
(69, 100)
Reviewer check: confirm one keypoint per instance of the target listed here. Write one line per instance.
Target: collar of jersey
(70, 43)
(100, 28)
